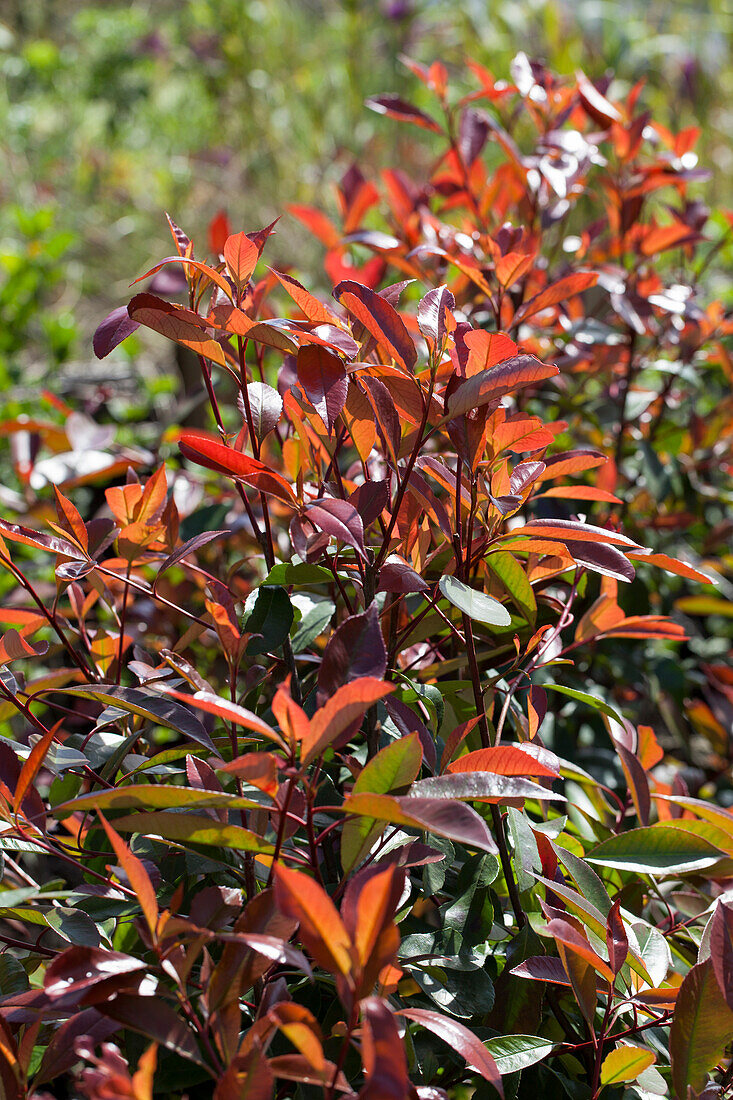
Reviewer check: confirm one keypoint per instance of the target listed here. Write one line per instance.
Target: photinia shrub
(292, 790)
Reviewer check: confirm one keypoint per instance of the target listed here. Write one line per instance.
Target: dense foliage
(373, 736)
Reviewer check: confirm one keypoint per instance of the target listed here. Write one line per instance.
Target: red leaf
(379, 318)
(460, 1039)
(571, 462)
(393, 106)
(671, 565)
(486, 349)
(32, 765)
(570, 530)
(600, 109)
(385, 412)
(219, 230)
(324, 380)
(317, 223)
(209, 272)
(206, 451)
(241, 256)
(230, 712)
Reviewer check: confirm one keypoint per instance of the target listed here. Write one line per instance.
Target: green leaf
(393, 768)
(656, 850)
(144, 796)
(585, 697)
(516, 1052)
(477, 605)
(271, 615)
(73, 925)
(145, 703)
(315, 619)
(193, 829)
(513, 577)
(701, 1029)
(13, 978)
(286, 573)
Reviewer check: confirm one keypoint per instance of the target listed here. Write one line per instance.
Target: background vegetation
(112, 112)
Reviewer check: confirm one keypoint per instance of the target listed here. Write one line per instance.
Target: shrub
(282, 802)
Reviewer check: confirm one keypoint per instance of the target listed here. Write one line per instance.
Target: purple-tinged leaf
(271, 947)
(380, 318)
(481, 786)
(355, 649)
(115, 328)
(473, 133)
(324, 380)
(387, 420)
(701, 1030)
(189, 547)
(431, 314)
(16, 532)
(603, 559)
(397, 576)
(383, 1054)
(393, 106)
(443, 817)
(617, 941)
(79, 968)
(338, 519)
(155, 1019)
(460, 1039)
(496, 382)
(266, 406)
(370, 500)
(721, 949)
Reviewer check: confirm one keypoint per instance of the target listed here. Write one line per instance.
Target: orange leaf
(502, 760)
(241, 256)
(311, 307)
(32, 765)
(347, 705)
(321, 929)
(166, 319)
(558, 292)
(136, 874)
(579, 492)
(486, 349)
(672, 565)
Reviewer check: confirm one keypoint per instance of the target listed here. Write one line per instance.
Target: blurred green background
(111, 113)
